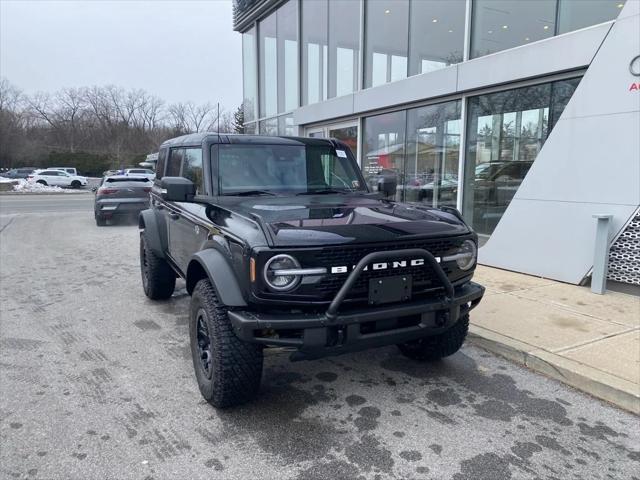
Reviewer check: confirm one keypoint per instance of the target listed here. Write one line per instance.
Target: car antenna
(218, 128)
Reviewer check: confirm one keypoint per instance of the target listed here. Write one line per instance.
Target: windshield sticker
(355, 184)
(341, 153)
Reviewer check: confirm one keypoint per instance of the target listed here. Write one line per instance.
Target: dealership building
(523, 114)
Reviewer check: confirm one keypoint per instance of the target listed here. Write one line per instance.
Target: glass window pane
(437, 34)
(387, 23)
(192, 168)
(344, 46)
(505, 133)
(433, 152)
(287, 19)
(285, 125)
(269, 127)
(501, 24)
(176, 155)
(250, 128)
(348, 135)
(314, 47)
(574, 15)
(268, 66)
(249, 74)
(383, 153)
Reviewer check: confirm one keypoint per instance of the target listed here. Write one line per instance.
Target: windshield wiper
(250, 193)
(323, 191)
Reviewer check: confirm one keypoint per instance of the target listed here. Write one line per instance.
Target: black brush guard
(333, 333)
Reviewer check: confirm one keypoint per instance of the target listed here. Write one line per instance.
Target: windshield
(273, 169)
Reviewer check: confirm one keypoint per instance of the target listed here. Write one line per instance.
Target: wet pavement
(96, 382)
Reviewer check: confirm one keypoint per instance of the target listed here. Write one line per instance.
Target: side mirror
(177, 189)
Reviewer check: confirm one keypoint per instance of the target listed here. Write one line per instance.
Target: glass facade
(413, 155)
(386, 41)
(436, 34)
(344, 47)
(505, 133)
(287, 20)
(249, 80)
(501, 24)
(268, 66)
(315, 50)
(573, 15)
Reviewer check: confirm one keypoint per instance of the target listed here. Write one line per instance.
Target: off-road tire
(100, 220)
(235, 367)
(158, 278)
(437, 346)
(75, 184)
(42, 182)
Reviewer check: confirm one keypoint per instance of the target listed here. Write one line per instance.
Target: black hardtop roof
(197, 139)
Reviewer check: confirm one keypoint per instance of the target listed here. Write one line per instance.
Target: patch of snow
(23, 186)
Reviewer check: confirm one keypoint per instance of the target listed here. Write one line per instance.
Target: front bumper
(316, 335)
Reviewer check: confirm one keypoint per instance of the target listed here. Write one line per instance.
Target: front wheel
(158, 278)
(228, 370)
(75, 184)
(437, 346)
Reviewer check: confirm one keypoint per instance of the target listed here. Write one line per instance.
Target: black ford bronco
(282, 244)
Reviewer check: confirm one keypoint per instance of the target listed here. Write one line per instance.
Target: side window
(162, 160)
(192, 168)
(176, 155)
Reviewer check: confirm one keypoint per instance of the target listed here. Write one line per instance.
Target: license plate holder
(390, 289)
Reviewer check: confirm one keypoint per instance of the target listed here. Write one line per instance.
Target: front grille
(424, 277)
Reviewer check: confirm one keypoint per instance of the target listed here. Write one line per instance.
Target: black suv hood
(342, 219)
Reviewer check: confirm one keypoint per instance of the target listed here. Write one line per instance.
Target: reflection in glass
(436, 34)
(344, 46)
(268, 66)
(574, 15)
(383, 153)
(348, 135)
(386, 41)
(249, 74)
(501, 24)
(269, 127)
(251, 128)
(287, 20)
(433, 151)
(285, 125)
(314, 51)
(506, 131)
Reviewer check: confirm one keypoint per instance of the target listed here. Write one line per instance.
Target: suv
(281, 244)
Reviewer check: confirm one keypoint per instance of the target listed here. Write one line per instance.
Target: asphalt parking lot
(96, 382)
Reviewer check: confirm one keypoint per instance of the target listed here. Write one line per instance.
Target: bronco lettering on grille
(416, 262)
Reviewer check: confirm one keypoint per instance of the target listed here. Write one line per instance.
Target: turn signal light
(252, 269)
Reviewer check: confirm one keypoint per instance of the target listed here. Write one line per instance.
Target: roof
(197, 139)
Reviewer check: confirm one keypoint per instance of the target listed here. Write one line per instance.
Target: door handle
(174, 216)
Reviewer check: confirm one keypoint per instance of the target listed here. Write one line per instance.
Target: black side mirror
(177, 189)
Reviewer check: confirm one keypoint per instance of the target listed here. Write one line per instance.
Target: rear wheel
(437, 346)
(158, 278)
(100, 220)
(42, 182)
(228, 370)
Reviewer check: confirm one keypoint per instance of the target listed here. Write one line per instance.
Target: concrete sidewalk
(588, 341)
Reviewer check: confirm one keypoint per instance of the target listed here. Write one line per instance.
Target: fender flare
(224, 279)
(148, 222)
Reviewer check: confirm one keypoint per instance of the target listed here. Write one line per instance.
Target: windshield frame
(348, 160)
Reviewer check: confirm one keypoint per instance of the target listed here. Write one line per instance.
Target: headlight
(275, 274)
(465, 257)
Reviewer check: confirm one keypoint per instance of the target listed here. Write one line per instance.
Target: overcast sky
(178, 50)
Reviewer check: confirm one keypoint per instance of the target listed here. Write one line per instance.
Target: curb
(621, 393)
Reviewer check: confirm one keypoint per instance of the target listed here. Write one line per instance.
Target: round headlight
(466, 256)
(275, 273)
